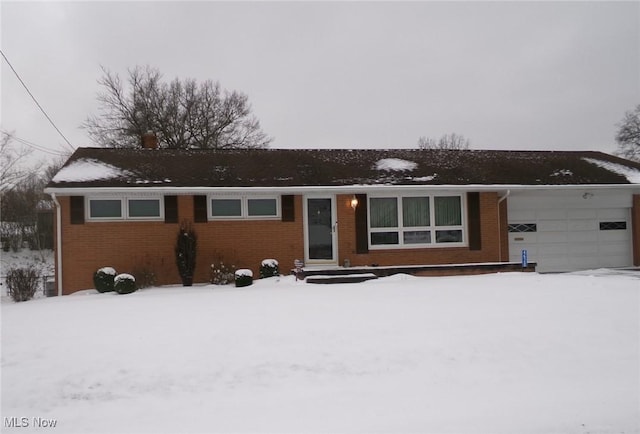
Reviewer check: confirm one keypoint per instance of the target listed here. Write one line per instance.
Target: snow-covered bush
(103, 279)
(124, 284)
(269, 268)
(244, 277)
(221, 273)
(22, 282)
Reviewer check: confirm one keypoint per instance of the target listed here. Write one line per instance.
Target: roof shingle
(337, 167)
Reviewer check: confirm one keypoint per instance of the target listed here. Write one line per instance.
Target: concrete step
(341, 278)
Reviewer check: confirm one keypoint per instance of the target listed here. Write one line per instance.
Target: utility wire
(33, 145)
(36, 101)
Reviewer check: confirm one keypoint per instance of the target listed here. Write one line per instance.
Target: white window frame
(244, 207)
(124, 208)
(211, 198)
(88, 201)
(432, 228)
(160, 215)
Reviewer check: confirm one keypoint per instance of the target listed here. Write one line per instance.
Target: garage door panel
(613, 261)
(583, 249)
(618, 236)
(553, 237)
(613, 214)
(582, 225)
(569, 234)
(583, 263)
(582, 214)
(552, 214)
(522, 216)
(614, 248)
(582, 236)
(552, 225)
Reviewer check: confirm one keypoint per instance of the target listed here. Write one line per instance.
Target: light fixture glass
(354, 202)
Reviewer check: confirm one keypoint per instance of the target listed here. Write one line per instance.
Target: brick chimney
(149, 140)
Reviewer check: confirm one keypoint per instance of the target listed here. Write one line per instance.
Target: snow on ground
(502, 353)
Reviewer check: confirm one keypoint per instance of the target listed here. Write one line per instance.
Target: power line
(36, 101)
(33, 145)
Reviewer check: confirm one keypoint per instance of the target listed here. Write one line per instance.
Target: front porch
(337, 274)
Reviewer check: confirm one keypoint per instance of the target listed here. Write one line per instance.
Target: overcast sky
(507, 75)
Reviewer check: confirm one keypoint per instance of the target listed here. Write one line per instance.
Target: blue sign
(525, 263)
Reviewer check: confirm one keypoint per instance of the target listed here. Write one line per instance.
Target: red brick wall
(128, 245)
(491, 236)
(635, 229)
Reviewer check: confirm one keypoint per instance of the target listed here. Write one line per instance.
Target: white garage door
(564, 234)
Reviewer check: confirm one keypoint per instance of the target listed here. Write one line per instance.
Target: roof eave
(346, 189)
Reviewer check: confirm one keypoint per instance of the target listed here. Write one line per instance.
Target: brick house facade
(87, 240)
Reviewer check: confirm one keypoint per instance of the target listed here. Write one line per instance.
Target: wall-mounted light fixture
(354, 202)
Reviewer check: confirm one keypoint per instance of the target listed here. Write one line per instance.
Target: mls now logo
(25, 422)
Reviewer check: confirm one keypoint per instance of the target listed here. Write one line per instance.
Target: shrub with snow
(244, 277)
(269, 268)
(124, 284)
(103, 279)
(22, 282)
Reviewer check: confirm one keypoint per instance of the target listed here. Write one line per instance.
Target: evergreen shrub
(103, 279)
(244, 277)
(124, 284)
(269, 268)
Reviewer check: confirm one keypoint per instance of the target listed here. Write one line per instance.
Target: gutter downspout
(58, 243)
(506, 195)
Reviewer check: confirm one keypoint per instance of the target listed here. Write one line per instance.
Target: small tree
(186, 253)
(448, 141)
(628, 135)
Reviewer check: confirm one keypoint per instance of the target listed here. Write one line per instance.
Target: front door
(321, 230)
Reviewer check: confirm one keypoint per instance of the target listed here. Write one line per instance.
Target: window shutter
(288, 208)
(171, 209)
(76, 210)
(473, 216)
(362, 235)
(200, 209)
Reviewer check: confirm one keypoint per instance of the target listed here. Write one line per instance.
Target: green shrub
(124, 284)
(244, 277)
(269, 268)
(186, 247)
(103, 279)
(22, 282)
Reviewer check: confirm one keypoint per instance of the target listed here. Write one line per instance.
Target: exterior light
(354, 202)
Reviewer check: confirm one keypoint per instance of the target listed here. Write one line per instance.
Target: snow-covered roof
(122, 168)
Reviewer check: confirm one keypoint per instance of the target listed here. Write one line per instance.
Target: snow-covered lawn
(504, 353)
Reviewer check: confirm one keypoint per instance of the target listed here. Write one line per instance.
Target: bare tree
(183, 113)
(448, 141)
(628, 135)
(11, 158)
